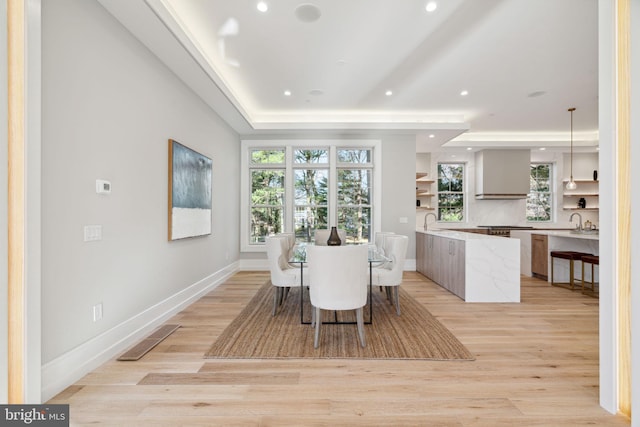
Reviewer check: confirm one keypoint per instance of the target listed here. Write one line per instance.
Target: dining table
(299, 259)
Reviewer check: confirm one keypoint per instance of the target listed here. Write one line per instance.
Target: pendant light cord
(571, 110)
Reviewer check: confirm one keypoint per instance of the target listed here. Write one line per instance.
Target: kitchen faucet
(426, 216)
(579, 217)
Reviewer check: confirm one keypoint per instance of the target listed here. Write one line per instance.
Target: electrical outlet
(97, 312)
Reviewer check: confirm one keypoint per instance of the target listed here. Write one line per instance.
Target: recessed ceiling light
(262, 6)
(431, 6)
(287, 93)
(469, 148)
(316, 92)
(308, 12)
(388, 93)
(543, 148)
(536, 94)
(432, 136)
(464, 93)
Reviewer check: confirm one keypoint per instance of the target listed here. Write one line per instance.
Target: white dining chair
(291, 240)
(322, 235)
(338, 281)
(379, 240)
(283, 276)
(389, 275)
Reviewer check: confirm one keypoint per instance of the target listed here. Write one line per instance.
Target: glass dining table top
(299, 254)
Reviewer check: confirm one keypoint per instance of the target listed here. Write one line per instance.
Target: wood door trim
(16, 198)
(623, 212)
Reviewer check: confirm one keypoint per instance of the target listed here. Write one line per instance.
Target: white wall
(108, 108)
(398, 189)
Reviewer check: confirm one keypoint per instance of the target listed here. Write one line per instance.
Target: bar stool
(572, 257)
(593, 260)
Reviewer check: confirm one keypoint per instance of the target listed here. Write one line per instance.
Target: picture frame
(190, 192)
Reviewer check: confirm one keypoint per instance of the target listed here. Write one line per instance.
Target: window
(540, 197)
(267, 193)
(451, 192)
(311, 190)
(355, 173)
(302, 186)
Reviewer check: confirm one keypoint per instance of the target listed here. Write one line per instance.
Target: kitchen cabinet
(421, 248)
(587, 190)
(441, 260)
(424, 192)
(431, 262)
(452, 266)
(539, 256)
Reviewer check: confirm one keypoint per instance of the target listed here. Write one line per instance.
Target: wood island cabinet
(442, 260)
(539, 256)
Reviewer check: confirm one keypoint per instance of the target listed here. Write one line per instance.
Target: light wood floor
(536, 365)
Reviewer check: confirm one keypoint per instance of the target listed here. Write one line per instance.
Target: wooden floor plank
(536, 365)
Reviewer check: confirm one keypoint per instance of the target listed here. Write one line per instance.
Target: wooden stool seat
(572, 257)
(593, 260)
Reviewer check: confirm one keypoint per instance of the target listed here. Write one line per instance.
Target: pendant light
(571, 185)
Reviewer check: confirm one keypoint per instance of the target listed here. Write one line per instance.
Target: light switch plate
(404, 220)
(92, 233)
(103, 186)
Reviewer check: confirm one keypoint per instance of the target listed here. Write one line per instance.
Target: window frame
(289, 207)
(551, 192)
(463, 192)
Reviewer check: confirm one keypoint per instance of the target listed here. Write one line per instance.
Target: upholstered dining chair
(379, 240)
(322, 235)
(283, 276)
(291, 240)
(389, 275)
(338, 281)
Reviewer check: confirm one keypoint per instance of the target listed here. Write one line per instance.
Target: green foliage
(539, 199)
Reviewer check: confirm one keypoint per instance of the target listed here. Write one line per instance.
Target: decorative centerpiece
(334, 238)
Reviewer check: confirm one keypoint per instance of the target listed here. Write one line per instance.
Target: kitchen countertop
(562, 233)
(458, 235)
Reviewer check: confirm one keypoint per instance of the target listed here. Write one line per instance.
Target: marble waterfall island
(475, 267)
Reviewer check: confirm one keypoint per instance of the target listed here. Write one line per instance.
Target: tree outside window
(302, 187)
(355, 176)
(311, 186)
(540, 197)
(267, 194)
(451, 192)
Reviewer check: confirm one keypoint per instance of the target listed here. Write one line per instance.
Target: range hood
(502, 174)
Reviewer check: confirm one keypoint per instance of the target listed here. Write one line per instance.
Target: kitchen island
(475, 267)
(556, 240)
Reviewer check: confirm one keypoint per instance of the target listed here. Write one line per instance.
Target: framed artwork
(190, 182)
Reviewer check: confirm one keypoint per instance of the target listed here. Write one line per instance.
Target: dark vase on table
(334, 238)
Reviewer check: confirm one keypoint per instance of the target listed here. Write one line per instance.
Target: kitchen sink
(585, 231)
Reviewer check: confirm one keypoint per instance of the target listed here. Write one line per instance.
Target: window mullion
(289, 190)
(333, 187)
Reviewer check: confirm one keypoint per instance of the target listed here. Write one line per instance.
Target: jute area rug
(415, 334)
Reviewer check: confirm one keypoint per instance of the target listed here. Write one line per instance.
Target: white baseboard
(73, 365)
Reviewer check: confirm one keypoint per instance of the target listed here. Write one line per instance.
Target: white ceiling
(523, 62)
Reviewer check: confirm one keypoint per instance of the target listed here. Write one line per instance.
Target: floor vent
(144, 346)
